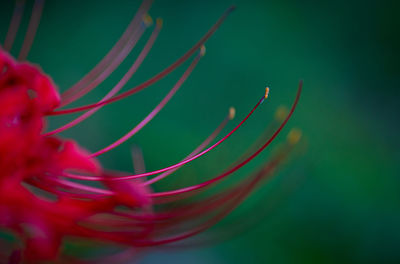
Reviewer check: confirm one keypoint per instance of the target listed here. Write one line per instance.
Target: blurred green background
(346, 207)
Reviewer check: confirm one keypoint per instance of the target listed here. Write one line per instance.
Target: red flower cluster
(26, 95)
(42, 205)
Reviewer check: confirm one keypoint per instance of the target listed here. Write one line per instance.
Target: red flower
(42, 206)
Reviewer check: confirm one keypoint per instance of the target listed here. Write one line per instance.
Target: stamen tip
(232, 113)
(159, 22)
(281, 113)
(294, 136)
(266, 92)
(203, 50)
(147, 20)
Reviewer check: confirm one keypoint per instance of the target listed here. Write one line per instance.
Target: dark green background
(346, 208)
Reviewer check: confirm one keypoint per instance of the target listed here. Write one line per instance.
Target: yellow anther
(202, 50)
(281, 113)
(147, 20)
(232, 112)
(159, 22)
(294, 136)
(266, 92)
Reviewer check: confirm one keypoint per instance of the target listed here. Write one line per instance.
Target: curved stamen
(238, 166)
(155, 111)
(14, 24)
(82, 187)
(280, 116)
(76, 190)
(193, 208)
(210, 222)
(139, 165)
(111, 67)
(32, 28)
(143, 54)
(204, 144)
(155, 78)
(227, 203)
(109, 57)
(94, 178)
(218, 200)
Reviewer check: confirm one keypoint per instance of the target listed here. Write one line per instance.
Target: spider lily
(42, 204)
